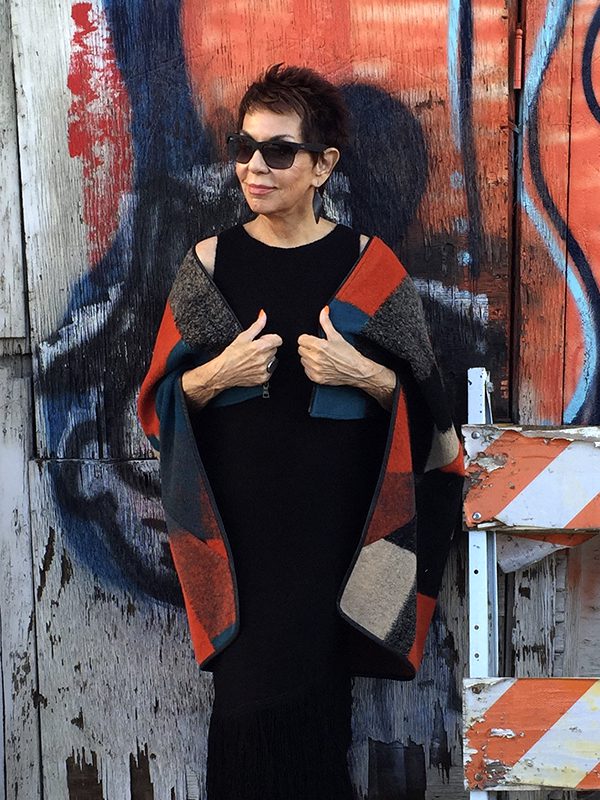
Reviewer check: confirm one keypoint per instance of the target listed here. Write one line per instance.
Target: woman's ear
(326, 162)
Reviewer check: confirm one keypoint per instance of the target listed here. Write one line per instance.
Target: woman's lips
(259, 190)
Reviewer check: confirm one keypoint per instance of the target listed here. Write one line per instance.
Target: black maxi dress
(293, 492)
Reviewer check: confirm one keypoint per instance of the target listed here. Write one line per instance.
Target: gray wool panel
(402, 633)
(202, 317)
(399, 326)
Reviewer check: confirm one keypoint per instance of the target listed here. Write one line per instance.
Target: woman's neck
(280, 231)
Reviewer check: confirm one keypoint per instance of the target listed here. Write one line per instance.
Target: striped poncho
(389, 592)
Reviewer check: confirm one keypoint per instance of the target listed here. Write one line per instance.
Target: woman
(286, 467)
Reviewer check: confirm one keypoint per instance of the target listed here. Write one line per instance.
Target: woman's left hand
(332, 361)
(335, 362)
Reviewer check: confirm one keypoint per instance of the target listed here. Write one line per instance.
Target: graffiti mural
(153, 89)
(147, 119)
(560, 248)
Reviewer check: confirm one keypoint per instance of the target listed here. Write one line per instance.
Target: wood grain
(55, 244)
(541, 257)
(548, 357)
(120, 689)
(18, 659)
(581, 398)
(12, 295)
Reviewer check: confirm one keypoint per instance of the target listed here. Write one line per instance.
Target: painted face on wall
(279, 192)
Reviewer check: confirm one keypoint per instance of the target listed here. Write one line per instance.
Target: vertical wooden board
(50, 178)
(18, 666)
(543, 181)
(582, 330)
(12, 300)
(488, 183)
(545, 615)
(77, 217)
(583, 319)
(584, 601)
(414, 728)
(539, 618)
(122, 701)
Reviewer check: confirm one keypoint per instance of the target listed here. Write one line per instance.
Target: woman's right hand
(241, 363)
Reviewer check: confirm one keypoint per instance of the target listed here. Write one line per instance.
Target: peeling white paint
(505, 733)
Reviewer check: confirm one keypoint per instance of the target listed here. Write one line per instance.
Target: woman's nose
(257, 163)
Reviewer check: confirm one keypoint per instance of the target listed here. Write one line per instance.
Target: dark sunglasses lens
(240, 150)
(278, 156)
(275, 154)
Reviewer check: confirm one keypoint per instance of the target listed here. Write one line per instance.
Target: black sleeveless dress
(294, 492)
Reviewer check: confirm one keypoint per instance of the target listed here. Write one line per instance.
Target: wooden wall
(112, 157)
(552, 607)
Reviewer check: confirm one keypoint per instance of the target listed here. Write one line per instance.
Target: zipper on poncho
(265, 389)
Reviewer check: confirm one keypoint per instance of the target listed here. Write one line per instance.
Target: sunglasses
(276, 155)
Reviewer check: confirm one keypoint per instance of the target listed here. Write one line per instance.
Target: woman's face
(278, 191)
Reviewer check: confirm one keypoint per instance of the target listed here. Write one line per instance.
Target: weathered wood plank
(122, 701)
(12, 296)
(50, 178)
(582, 325)
(544, 607)
(543, 182)
(584, 604)
(581, 401)
(535, 732)
(21, 761)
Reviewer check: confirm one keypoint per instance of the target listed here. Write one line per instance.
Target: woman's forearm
(379, 382)
(201, 384)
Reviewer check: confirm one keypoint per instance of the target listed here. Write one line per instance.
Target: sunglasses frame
(311, 147)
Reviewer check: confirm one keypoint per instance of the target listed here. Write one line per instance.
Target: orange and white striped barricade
(545, 482)
(538, 487)
(531, 733)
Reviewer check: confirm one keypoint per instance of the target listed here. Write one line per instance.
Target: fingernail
(262, 311)
(326, 309)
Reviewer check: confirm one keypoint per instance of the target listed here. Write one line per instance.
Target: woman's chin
(257, 202)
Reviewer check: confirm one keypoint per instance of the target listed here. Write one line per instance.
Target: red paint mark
(98, 127)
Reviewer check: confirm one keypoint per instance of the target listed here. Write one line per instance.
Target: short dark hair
(319, 104)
